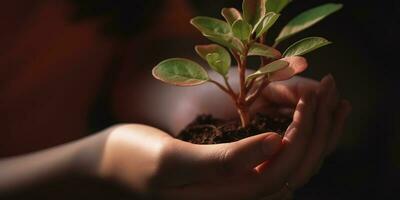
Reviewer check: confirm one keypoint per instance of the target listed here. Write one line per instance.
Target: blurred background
(66, 69)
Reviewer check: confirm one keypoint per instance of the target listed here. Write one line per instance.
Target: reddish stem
(227, 91)
(240, 103)
(252, 98)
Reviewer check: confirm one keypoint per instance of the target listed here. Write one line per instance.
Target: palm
(278, 97)
(316, 128)
(282, 97)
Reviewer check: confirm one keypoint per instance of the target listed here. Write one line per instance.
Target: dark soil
(206, 129)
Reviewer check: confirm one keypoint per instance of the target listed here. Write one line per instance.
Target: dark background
(363, 59)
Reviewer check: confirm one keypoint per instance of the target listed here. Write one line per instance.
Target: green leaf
(253, 11)
(180, 72)
(276, 5)
(258, 49)
(266, 23)
(242, 30)
(305, 45)
(270, 68)
(231, 15)
(209, 25)
(227, 41)
(217, 57)
(307, 19)
(217, 31)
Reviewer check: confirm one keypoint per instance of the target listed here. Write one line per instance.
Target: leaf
(231, 15)
(180, 72)
(276, 6)
(258, 49)
(227, 41)
(307, 19)
(297, 65)
(217, 31)
(242, 30)
(217, 57)
(270, 68)
(253, 11)
(266, 23)
(209, 25)
(305, 45)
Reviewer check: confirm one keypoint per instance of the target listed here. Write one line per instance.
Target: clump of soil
(206, 129)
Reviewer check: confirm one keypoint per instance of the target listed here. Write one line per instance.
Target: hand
(330, 118)
(185, 103)
(280, 98)
(150, 162)
(154, 164)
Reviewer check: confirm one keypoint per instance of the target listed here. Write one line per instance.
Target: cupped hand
(330, 117)
(281, 98)
(150, 162)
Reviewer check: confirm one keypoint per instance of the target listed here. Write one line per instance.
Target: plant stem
(244, 115)
(241, 106)
(262, 41)
(252, 97)
(250, 85)
(228, 85)
(242, 79)
(230, 92)
(264, 60)
(275, 45)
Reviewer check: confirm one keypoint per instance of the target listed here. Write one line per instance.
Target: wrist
(90, 152)
(132, 156)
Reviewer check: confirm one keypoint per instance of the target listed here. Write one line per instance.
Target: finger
(327, 96)
(272, 110)
(213, 159)
(212, 162)
(340, 116)
(216, 169)
(343, 111)
(246, 154)
(241, 156)
(276, 173)
(289, 92)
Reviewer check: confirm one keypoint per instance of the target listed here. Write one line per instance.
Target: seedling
(243, 34)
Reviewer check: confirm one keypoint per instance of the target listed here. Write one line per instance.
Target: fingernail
(330, 77)
(271, 144)
(327, 81)
(331, 82)
(290, 132)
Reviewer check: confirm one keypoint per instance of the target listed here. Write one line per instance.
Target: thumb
(248, 153)
(243, 155)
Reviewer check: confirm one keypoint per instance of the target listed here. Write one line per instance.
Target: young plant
(243, 35)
